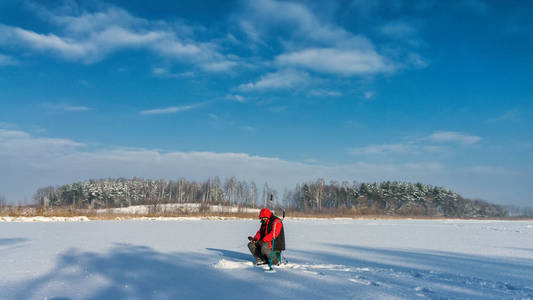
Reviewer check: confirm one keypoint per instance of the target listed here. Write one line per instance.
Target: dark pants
(261, 252)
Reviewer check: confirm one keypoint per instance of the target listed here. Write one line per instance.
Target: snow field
(328, 259)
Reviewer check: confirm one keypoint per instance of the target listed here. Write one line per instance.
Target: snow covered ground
(177, 207)
(328, 259)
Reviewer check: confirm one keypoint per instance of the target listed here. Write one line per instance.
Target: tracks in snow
(430, 284)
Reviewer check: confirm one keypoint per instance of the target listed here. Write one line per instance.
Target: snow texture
(175, 207)
(328, 259)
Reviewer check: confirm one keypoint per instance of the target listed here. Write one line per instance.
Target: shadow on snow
(437, 274)
(12, 241)
(232, 254)
(137, 272)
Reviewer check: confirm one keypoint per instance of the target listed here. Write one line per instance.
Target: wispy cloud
(67, 107)
(65, 161)
(236, 97)
(7, 60)
(6, 125)
(398, 30)
(415, 60)
(30, 162)
(171, 109)
(166, 73)
(19, 143)
(415, 146)
(324, 93)
(283, 79)
(485, 170)
(76, 108)
(265, 16)
(337, 61)
(454, 137)
(369, 94)
(508, 116)
(90, 36)
(318, 45)
(384, 149)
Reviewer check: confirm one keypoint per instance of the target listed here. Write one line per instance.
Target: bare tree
(229, 186)
(318, 191)
(253, 193)
(2, 202)
(218, 191)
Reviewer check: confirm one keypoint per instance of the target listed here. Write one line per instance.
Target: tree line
(112, 193)
(389, 198)
(384, 198)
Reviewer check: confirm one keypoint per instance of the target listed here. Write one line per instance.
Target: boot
(276, 258)
(260, 262)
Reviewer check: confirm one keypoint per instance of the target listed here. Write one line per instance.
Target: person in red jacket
(261, 244)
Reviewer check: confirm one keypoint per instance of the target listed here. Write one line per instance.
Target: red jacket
(268, 236)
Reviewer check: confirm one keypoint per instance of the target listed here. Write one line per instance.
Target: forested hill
(385, 198)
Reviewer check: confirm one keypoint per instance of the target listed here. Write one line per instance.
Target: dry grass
(93, 215)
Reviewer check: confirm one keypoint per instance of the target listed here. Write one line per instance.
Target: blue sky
(438, 92)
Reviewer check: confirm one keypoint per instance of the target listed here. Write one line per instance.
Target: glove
(251, 239)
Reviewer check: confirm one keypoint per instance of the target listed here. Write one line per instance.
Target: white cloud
(404, 44)
(283, 79)
(76, 108)
(337, 61)
(412, 147)
(510, 115)
(28, 162)
(310, 42)
(165, 73)
(6, 125)
(417, 61)
(398, 30)
(384, 149)
(324, 93)
(31, 162)
(369, 94)
(418, 146)
(219, 66)
(6, 134)
(236, 97)
(89, 37)
(250, 30)
(454, 137)
(16, 144)
(67, 107)
(66, 47)
(75, 21)
(7, 60)
(159, 71)
(171, 109)
(262, 16)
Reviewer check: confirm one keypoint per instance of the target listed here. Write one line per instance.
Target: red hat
(265, 213)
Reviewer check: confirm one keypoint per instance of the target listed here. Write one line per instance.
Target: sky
(438, 92)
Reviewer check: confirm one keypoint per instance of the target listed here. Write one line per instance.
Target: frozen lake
(328, 259)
